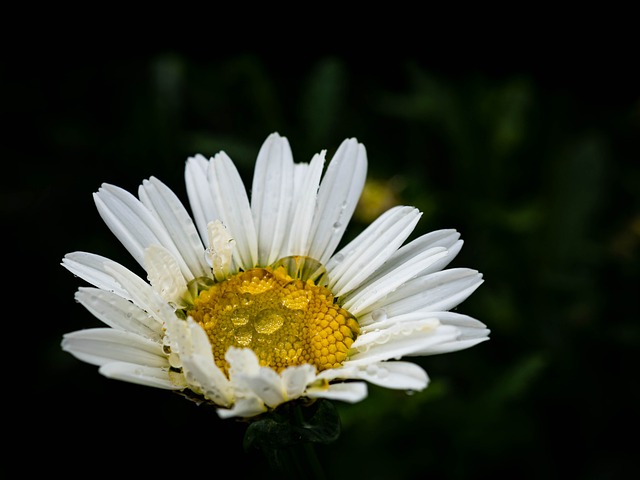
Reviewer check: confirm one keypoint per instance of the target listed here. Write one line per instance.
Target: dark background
(537, 165)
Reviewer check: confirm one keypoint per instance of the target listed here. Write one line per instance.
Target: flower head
(247, 305)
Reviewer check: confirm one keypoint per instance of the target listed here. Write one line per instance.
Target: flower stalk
(287, 437)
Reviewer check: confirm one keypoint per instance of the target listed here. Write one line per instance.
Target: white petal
(467, 326)
(200, 343)
(141, 375)
(381, 323)
(249, 379)
(231, 199)
(306, 182)
(463, 322)
(360, 300)
(131, 222)
(271, 197)
(220, 251)
(164, 203)
(203, 376)
(243, 408)
(119, 313)
(368, 251)
(201, 201)
(200, 368)
(470, 333)
(296, 379)
(165, 275)
(402, 339)
(441, 263)
(337, 198)
(242, 361)
(438, 240)
(437, 291)
(90, 267)
(395, 375)
(266, 385)
(453, 345)
(140, 292)
(253, 380)
(99, 346)
(351, 392)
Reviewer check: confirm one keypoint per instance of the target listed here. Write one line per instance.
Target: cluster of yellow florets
(285, 321)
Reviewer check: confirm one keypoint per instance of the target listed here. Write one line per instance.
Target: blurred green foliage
(539, 172)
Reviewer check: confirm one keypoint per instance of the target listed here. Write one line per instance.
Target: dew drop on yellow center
(285, 321)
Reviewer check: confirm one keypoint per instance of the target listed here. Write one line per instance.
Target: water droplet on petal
(382, 338)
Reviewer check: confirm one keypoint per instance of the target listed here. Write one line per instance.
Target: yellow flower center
(286, 321)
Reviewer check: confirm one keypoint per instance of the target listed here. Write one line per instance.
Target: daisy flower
(247, 305)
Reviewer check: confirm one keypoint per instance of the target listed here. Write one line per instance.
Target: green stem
(315, 470)
(287, 436)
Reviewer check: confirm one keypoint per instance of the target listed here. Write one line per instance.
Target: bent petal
(401, 339)
(295, 379)
(141, 375)
(90, 267)
(244, 407)
(140, 292)
(99, 346)
(351, 392)
(395, 375)
(119, 313)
